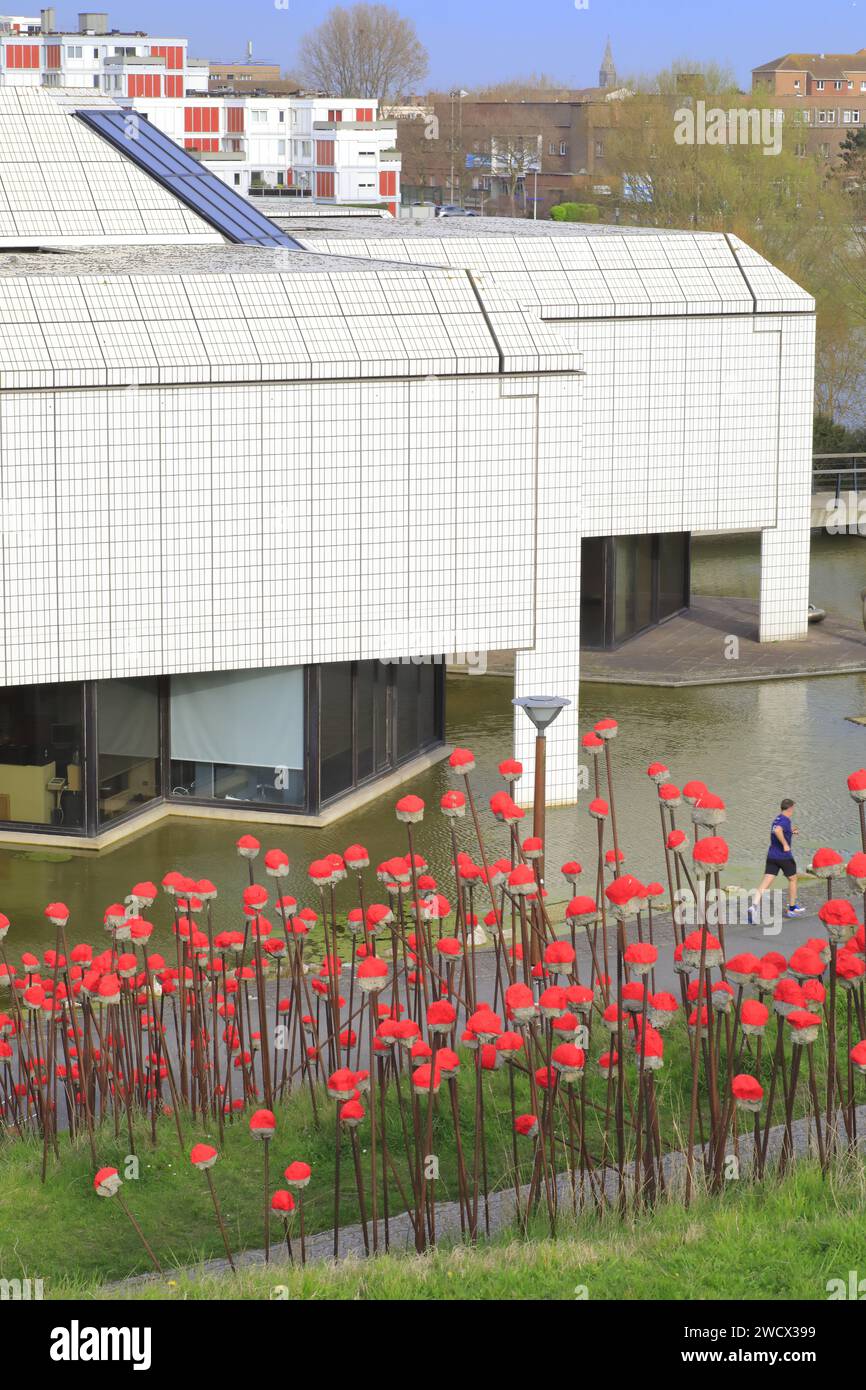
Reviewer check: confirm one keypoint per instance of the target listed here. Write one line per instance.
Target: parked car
(454, 210)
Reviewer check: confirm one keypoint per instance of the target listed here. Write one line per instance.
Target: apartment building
(325, 149)
(34, 52)
(822, 94)
(329, 149)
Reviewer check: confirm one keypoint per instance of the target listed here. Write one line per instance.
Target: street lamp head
(542, 709)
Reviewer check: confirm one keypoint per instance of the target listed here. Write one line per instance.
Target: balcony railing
(838, 473)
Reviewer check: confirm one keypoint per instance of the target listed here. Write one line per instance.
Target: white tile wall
(236, 526)
(233, 471)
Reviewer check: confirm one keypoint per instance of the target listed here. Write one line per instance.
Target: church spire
(607, 71)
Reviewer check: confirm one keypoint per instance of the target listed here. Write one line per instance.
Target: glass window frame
(304, 807)
(311, 804)
(84, 830)
(610, 642)
(91, 773)
(392, 761)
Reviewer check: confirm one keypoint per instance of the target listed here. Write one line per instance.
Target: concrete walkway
(694, 649)
(500, 1211)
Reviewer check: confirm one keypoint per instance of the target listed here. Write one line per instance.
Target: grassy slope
(62, 1230)
(783, 1241)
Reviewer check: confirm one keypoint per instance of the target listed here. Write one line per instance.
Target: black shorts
(784, 866)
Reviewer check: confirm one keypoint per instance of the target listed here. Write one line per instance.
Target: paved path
(500, 1212)
(692, 650)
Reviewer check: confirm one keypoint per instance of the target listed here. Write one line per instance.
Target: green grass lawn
(778, 1241)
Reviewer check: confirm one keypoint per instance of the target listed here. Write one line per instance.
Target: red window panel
(364, 113)
(324, 185)
(235, 119)
(201, 118)
(387, 183)
(173, 56)
(335, 115)
(392, 208)
(325, 152)
(202, 143)
(52, 55)
(289, 178)
(174, 86)
(22, 55)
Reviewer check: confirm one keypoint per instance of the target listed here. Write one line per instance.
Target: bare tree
(511, 159)
(363, 51)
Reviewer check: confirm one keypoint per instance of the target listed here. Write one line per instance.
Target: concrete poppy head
(826, 863)
(410, 809)
(453, 805)
(203, 1156)
(262, 1124)
(839, 918)
(748, 1093)
(107, 1182)
(857, 784)
(298, 1174)
(657, 772)
(462, 761)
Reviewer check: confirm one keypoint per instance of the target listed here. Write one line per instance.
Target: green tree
(790, 208)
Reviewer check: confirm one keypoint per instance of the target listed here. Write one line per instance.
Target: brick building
(823, 94)
(465, 147)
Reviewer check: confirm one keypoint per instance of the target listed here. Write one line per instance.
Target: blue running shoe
(795, 911)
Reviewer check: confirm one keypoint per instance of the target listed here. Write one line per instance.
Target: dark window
(381, 716)
(673, 574)
(335, 728)
(42, 755)
(127, 735)
(406, 695)
(365, 725)
(628, 583)
(373, 715)
(633, 585)
(593, 582)
(428, 703)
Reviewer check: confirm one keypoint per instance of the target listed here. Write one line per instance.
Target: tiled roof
(61, 184)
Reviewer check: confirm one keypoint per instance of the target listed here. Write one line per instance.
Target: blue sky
(472, 41)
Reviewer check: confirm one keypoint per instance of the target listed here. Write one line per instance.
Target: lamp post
(456, 96)
(542, 710)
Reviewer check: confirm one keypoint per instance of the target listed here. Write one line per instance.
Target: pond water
(752, 743)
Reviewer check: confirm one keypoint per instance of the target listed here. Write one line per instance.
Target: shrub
(575, 212)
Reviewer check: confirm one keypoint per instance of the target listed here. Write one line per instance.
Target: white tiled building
(696, 403)
(242, 488)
